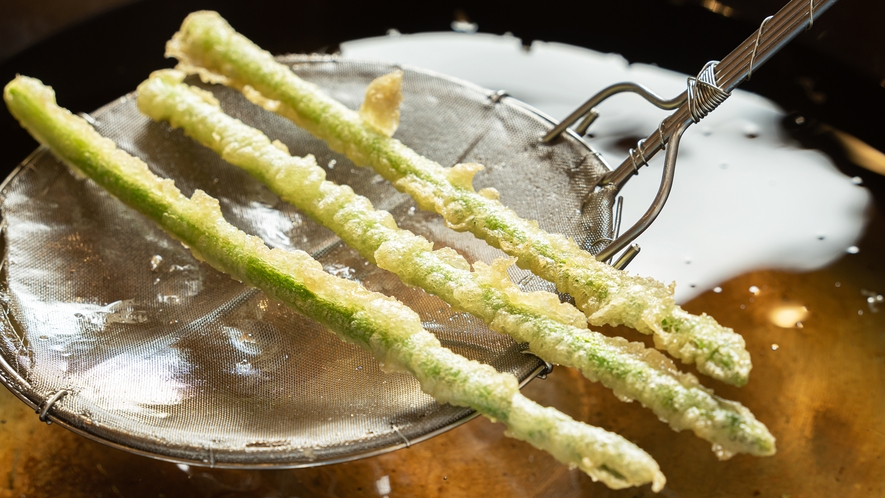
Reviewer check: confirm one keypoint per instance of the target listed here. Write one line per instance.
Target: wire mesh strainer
(114, 330)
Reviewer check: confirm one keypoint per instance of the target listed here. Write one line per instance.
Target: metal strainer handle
(703, 94)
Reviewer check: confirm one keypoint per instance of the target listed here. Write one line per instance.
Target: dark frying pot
(821, 393)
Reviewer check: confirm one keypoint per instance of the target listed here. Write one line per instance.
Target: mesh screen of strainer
(162, 355)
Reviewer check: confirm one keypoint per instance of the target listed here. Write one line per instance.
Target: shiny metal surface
(161, 355)
(588, 113)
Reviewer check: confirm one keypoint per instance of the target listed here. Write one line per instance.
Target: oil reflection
(158, 384)
(717, 8)
(789, 316)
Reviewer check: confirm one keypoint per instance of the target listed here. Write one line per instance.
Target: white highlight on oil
(745, 196)
(382, 486)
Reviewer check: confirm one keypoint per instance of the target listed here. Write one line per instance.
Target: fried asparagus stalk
(555, 331)
(207, 45)
(385, 327)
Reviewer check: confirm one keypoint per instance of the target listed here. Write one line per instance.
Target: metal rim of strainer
(43, 403)
(8, 378)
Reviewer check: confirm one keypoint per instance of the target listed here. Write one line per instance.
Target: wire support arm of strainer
(660, 199)
(703, 94)
(589, 114)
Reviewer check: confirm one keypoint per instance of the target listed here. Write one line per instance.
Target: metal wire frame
(703, 94)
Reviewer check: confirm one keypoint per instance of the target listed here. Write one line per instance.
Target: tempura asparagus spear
(385, 327)
(555, 331)
(207, 45)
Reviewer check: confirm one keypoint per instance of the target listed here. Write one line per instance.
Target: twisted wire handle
(704, 94)
(716, 81)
